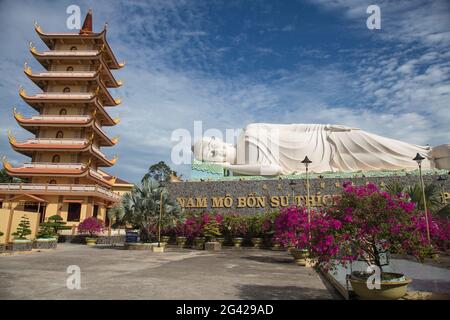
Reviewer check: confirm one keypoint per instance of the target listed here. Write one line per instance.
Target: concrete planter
(91, 241)
(157, 249)
(199, 243)
(389, 290)
(213, 246)
(257, 242)
(181, 242)
(45, 243)
(237, 242)
(21, 245)
(165, 239)
(138, 246)
(220, 240)
(276, 246)
(300, 256)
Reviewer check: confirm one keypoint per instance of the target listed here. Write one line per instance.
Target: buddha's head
(214, 150)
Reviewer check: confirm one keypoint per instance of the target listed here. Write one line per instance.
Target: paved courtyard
(114, 273)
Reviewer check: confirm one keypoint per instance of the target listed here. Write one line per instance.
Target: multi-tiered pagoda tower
(65, 175)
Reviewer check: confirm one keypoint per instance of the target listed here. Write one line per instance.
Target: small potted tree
(46, 237)
(56, 223)
(180, 233)
(20, 241)
(91, 227)
(211, 232)
(236, 227)
(291, 230)
(255, 229)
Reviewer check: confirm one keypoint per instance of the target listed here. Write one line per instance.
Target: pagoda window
(66, 90)
(56, 158)
(74, 48)
(69, 68)
(59, 135)
(62, 112)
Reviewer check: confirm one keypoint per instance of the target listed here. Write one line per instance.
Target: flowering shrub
(194, 225)
(366, 222)
(235, 226)
(291, 227)
(91, 226)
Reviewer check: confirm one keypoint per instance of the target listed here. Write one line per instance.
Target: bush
(235, 225)
(23, 229)
(365, 223)
(91, 226)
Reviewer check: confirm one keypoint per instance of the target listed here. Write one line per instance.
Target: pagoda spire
(87, 24)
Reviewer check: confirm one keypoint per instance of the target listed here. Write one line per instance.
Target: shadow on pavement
(258, 292)
(268, 259)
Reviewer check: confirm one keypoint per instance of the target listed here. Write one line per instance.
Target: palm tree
(394, 188)
(432, 196)
(141, 208)
(6, 178)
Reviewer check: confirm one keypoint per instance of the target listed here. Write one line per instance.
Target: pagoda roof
(60, 170)
(81, 145)
(41, 79)
(51, 39)
(31, 124)
(73, 97)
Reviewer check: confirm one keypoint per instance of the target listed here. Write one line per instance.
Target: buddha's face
(214, 150)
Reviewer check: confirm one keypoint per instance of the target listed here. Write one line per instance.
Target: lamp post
(306, 162)
(160, 215)
(292, 185)
(418, 158)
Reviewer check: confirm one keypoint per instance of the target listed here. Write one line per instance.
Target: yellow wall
(5, 216)
(53, 208)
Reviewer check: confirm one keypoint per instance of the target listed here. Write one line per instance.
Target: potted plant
(255, 229)
(291, 230)
(211, 232)
(365, 224)
(20, 241)
(236, 228)
(180, 234)
(92, 227)
(46, 237)
(2, 245)
(268, 229)
(56, 223)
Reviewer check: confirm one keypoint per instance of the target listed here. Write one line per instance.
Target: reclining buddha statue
(278, 149)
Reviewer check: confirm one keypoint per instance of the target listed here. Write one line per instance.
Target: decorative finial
(87, 24)
(32, 47)
(26, 68)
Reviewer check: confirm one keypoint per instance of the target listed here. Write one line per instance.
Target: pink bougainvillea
(91, 226)
(367, 221)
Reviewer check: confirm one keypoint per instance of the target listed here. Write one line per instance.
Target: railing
(61, 118)
(56, 141)
(70, 53)
(59, 95)
(36, 187)
(65, 74)
(51, 165)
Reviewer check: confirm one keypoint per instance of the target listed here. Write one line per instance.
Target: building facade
(66, 174)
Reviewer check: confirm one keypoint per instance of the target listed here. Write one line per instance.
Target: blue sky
(230, 63)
